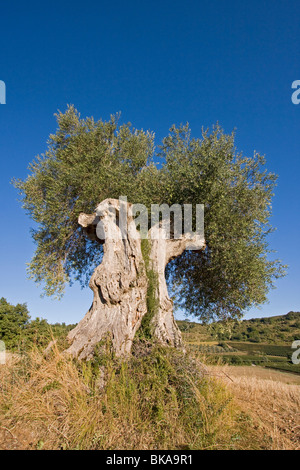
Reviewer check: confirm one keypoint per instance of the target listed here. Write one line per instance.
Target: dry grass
(271, 398)
(159, 401)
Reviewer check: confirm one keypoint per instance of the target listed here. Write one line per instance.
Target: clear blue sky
(159, 63)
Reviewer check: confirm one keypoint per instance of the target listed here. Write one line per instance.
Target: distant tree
(237, 337)
(18, 331)
(37, 332)
(254, 337)
(13, 320)
(292, 315)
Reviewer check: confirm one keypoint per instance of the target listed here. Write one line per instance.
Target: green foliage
(268, 349)
(283, 329)
(152, 299)
(13, 320)
(258, 341)
(287, 367)
(172, 394)
(185, 325)
(20, 333)
(233, 272)
(88, 161)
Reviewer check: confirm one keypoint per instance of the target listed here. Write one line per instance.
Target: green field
(266, 342)
(267, 349)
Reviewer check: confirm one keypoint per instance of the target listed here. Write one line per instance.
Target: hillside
(260, 341)
(282, 329)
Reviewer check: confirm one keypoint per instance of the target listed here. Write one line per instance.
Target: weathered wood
(121, 281)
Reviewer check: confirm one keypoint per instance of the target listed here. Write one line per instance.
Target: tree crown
(88, 161)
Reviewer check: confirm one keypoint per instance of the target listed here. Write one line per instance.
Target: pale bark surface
(120, 285)
(164, 250)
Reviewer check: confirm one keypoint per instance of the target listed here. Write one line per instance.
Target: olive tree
(90, 164)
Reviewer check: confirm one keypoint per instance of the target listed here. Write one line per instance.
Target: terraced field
(265, 342)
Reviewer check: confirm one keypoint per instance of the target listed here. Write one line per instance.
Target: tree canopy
(88, 161)
(18, 331)
(13, 320)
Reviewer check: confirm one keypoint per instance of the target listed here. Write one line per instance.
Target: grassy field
(253, 359)
(257, 345)
(159, 400)
(270, 398)
(258, 372)
(223, 394)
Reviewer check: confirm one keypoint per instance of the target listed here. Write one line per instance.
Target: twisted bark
(121, 284)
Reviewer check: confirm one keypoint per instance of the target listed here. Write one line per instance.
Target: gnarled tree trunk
(121, 284)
